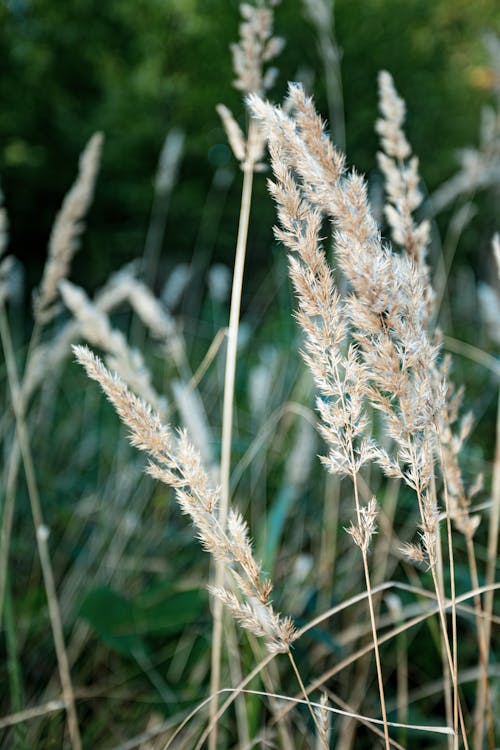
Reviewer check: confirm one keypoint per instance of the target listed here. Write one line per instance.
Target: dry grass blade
(256, 47)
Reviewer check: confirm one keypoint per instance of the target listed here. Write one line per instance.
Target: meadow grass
(351, 598)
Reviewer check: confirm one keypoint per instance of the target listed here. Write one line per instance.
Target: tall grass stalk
(41, 533)
(491, 565)
(227, 419)
(63, 243)
(255, 48)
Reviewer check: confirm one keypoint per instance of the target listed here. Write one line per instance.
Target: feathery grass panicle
(96, 328)
(336, 368)
(386, 310)
(298, 148)
(451, 444)
(256, 47)
(175, 461)
(324, 723)
(64, 239)
(401, 180)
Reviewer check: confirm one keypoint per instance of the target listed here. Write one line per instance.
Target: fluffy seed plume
(96, 328)
(174, 461)
(401, 180)
(255, 49)
(386, 311)
(68, 226)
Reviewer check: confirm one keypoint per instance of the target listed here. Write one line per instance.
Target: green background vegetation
(137, 68)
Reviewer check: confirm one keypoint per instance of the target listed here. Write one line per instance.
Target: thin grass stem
(306, 698)
(227, 422)
(41, 535)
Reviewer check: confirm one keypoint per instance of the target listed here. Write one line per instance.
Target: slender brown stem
(227, 424)
(306, 698)
(13, 464)
(454, 675)
(483, 681)
(41, 536)
(482, 698)
(453, 595)
(372, 611)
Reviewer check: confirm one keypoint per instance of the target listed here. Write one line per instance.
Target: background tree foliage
(137, 68)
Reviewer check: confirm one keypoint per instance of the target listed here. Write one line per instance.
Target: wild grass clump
(363, 606)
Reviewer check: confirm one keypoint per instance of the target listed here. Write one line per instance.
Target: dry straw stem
(256, 47)
(174, 461)
(22, 445)
(322, 679)
(68, 226)
(401, 184)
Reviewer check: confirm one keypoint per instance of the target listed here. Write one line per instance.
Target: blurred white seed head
(234, 133)
(301, 457)
(169, 162)
(219, 282)
(261, 379)
(150, 310)
(489, 305)
(175, 285)
(68, 226)
(194, 418)
(256, 46)
(389, 127)
(96, 328)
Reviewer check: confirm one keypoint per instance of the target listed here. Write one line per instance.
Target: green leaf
(124, 624)
(112, 616)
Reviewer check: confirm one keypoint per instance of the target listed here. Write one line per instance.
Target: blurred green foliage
(136, 68)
